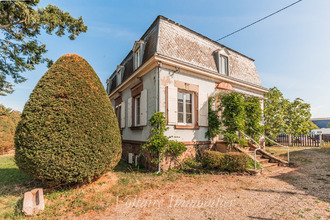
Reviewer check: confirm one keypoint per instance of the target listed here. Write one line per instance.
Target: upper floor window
(119, 73)
(222, 60)
(137, 58)
(223, 65)
(109, 86)
(138, 50)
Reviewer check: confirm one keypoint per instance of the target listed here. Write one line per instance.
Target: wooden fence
(302, 140)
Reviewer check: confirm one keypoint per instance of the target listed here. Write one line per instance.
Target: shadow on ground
(311, 173)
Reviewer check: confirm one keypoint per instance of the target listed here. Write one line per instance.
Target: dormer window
(137, 58)
(223, 67)
(222, 59)
(109, 85)
(119, 74)
(138, 50)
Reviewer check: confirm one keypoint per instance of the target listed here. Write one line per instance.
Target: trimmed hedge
(232, 162)
(212, 159)
(68, 132)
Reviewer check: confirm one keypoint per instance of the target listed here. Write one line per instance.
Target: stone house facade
(174, 70)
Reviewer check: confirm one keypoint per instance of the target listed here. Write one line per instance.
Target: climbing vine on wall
(235, 113)
(158, 143)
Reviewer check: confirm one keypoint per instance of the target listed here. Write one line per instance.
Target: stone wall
(193, 149)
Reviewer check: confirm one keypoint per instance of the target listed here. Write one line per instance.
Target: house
(321, 122)
(174, 70)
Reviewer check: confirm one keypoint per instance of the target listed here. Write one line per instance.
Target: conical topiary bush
(68, 132)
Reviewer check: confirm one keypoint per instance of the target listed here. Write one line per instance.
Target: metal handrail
(276, 144)
(255, 151)
(279, 145)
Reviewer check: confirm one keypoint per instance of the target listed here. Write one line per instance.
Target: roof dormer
(109, 82)
(120, 74)
(222, 60)
(138, 51)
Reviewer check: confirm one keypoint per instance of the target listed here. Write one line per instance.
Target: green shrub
(232, 162)
(176, 148)
(235, 162)
(158, 143)
(68, 132)
(212, 159)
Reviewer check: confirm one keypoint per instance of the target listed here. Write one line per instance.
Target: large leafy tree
(281, 115)
(297, 115)
(274, 107)
(21, 22)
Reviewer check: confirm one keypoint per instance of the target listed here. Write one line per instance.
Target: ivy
(213, 120)
(236, 113)
(158, 143)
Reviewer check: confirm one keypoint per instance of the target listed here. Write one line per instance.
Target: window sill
(137, 128)
(187, 127)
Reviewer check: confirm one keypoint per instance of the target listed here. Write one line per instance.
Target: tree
(329, 125)
(296, 117)
(68, 132)
(312, 126)
(253, 119)
(281, 115)
(20, 24)
(8, 123)
(274, 107)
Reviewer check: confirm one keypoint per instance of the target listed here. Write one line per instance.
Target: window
(223, 64)
(118, 77)
(137, 58)
(118, 113)
(185, 108)
(137, 101)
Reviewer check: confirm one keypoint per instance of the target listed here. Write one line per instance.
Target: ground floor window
(118, 113)
(137, 101)
(185, 107)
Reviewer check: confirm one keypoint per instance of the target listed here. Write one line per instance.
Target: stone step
(269, 165)
(264, 161)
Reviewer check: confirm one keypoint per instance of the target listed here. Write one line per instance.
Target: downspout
(157, 103)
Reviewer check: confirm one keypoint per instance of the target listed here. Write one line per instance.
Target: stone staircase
(269, 162)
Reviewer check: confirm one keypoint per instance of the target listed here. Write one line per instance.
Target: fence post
(290, 141)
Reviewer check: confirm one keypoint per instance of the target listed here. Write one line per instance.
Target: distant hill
(321, 122)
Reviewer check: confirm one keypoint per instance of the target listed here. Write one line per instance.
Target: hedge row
(232, 162)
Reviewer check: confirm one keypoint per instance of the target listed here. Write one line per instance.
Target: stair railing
(255, 150)
(278, 144)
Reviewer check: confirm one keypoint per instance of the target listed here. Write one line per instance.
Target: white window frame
(223, 64)
(184, 108)
(137, 111)
(137, 57)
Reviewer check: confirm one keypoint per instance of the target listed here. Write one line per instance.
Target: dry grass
(302, 192)
(96, 197)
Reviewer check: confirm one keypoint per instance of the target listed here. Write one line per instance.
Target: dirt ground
(302, 192)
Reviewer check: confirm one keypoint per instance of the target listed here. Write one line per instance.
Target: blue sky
(291, 49)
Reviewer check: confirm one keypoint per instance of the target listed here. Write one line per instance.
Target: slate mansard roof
(167, 38)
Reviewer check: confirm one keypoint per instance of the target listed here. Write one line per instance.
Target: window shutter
(172, 105)
(122, 115)
(203, 109)
(129, 112)
(143, 108)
